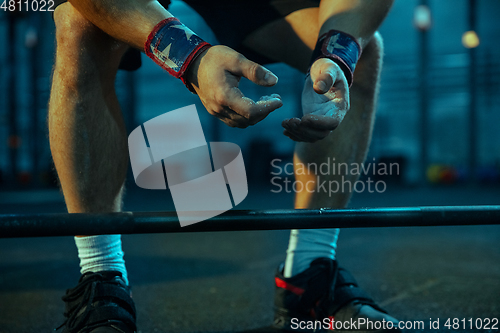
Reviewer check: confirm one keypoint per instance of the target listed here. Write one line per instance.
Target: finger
(266, 105)
(224, 118)
(288, 124)
(293, 124)
(324, 74)
(313, 134)
(307, 134)
(300, 137)
(320, 122)
(228, 117)
(292, 136)
(253, 112)
(301, 129)
(238, 120)
(233, 123)
(293, 127)
(221, 115)
(256, 73)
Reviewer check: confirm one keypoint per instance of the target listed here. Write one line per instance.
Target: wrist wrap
(174, 47)
(340, 47)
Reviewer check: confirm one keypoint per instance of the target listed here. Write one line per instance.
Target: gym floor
(223, 282)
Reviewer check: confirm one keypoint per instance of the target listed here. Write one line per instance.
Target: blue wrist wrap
(340, 47)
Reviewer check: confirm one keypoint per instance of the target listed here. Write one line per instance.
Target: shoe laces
(321, 307)
(85, 290)
(331, 277)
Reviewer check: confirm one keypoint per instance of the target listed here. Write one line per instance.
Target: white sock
(101, 253)
(306, 245)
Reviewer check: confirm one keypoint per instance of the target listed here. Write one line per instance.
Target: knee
(377, 43)
(374, 48)
(75, 32)
(82, 48)
(368, 68)
(373, 52)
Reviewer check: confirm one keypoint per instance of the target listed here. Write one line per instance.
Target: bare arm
(130, 21)
(215, 74)
(359, 18)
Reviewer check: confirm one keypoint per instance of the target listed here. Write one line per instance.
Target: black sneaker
(101, 302)
(325, 297)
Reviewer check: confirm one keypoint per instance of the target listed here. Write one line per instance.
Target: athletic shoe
(326, 297)
(101, 302)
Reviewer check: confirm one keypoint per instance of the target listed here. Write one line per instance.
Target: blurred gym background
(438, 116)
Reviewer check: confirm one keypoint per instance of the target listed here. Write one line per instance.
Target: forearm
(359, 18)
(130, 21)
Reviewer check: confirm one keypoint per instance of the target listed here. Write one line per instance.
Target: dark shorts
(231, 21)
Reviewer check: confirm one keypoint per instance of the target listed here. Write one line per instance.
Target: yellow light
(470, 39)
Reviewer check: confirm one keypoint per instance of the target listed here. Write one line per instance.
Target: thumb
(257, 73)
(324, 74)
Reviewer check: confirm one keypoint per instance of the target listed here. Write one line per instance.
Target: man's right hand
(215, 76)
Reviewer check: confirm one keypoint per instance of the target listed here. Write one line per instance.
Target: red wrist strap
(173, 46)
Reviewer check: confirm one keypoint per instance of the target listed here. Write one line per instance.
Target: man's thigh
(264, 31)
(290, 40)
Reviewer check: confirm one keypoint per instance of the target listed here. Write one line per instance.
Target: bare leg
(87, 134)
(346, 144)
(89, 148)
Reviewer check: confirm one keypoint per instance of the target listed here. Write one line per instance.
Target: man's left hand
(325, 102)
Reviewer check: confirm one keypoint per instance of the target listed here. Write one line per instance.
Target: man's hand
(325, 101)
(215, 75)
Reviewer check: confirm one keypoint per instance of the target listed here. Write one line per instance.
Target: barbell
(43, 225)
